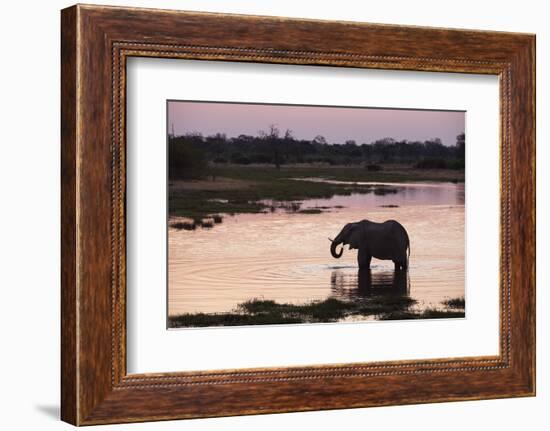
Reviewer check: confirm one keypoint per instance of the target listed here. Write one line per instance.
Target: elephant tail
(408, 247)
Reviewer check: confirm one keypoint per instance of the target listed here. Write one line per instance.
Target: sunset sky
(364, 125)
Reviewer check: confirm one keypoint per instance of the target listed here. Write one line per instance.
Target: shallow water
(285, 256)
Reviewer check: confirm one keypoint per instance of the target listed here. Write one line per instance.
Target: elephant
(387, 241)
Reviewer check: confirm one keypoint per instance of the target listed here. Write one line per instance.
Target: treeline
(190, 154)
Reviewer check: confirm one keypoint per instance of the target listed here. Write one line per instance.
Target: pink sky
(364, 125)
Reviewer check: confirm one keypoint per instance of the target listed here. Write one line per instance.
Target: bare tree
(272, 137)
(319, 139)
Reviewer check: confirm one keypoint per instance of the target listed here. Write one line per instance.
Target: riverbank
(232, 189)
(263, 312)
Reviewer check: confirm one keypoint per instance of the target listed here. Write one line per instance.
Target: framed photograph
(263, 214)
(240, 198)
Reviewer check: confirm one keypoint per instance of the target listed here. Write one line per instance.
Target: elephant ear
(355, 238)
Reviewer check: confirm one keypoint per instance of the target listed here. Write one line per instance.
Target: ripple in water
(285, 257)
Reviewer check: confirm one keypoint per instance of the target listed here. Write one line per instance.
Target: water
(285, 256)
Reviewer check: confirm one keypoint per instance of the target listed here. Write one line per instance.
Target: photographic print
(300, 214)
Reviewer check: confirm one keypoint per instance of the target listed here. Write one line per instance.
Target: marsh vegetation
(253, 189)
(263, 311)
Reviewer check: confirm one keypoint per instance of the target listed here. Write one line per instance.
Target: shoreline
(330, 310)
(237, 189)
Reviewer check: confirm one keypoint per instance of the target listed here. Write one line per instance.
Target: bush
(456, 164)
(185, 161)
(373, 168)
(262, 158)
(240, 159)
(184, 225)
(330, 161)
(440, 164)
(431, 164)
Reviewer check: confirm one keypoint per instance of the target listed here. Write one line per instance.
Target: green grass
(394, 173)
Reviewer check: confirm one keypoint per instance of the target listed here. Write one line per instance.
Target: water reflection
(284, 256)
(366, 284)
(401, 195)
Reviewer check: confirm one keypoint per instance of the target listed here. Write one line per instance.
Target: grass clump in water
(311, 211)
(452, 308)
(225, 319)
(455, 303)
(429, 313)
(184, 225)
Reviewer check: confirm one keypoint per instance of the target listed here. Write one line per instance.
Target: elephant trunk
(333, 246)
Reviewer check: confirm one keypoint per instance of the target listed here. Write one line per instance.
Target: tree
(319, 139)
(461, 146)
(435, 148)
(272, 138)
(289, 136)
(275, 146)
(291, 146)
(185, 159)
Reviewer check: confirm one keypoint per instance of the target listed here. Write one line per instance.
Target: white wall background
(29, 219)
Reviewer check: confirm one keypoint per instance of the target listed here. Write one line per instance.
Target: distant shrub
(185, 161)
(373, 168)
(330, 161)
(220, 160)
(431, 164)
(207, 224)
(262, 158)
(240, 159)
(456, 164)
(381, 191)
(184, 225)
(440, 164)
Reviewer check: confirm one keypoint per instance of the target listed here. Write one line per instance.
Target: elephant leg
(363, 259)
(400, 263)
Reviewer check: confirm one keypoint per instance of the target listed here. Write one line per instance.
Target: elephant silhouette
(387, 241)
